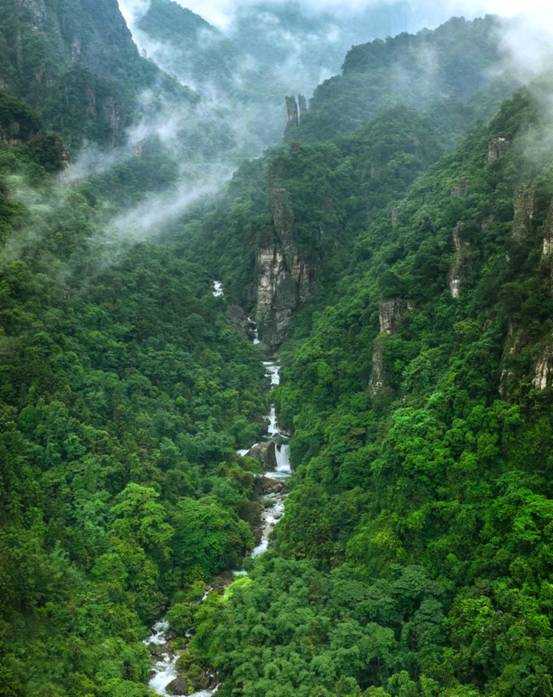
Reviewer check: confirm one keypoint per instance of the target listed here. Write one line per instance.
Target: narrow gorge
(275, 452)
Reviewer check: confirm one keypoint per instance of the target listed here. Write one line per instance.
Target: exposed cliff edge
(284, 279)
(75, 63)
(392, 313)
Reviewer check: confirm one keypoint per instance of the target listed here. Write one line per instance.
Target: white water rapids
(165, 671)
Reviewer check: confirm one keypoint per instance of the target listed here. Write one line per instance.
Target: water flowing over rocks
(296, 109)
(459, 248)
(275, 452)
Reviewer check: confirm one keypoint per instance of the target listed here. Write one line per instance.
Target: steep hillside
(448, 71)
(125, 393)
(188, 46)
(283, 231)
(75, 63)
(395, 254)
(415, 551)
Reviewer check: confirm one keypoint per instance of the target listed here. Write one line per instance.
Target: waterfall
(165, 668)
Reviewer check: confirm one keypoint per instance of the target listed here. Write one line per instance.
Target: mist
(248, 55)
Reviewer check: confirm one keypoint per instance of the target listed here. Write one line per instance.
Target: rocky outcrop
(519, 345)
(292, 111)
(302, 106)
(296, 109)
(284, 279)
(266, 454)
(378, 375)
(459, 253)
(392, 313)
(512, 346)
(268, 486)
(543, 370)
(525, 206)
(497, 148)
(547, 247)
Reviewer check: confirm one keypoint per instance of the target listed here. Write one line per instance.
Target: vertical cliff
(392, 314)
(459, 253)
(284, 279)
(75, 63)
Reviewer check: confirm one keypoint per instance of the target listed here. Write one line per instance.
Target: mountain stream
(165, 671)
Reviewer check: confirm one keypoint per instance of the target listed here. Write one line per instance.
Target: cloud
(301, 50)
(156, 211)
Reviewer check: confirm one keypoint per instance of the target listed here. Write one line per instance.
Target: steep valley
(276, 381)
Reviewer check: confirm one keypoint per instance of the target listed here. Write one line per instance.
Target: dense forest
(394, 251)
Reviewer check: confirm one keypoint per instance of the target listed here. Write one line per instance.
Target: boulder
(179, 686)
(265, 453)
(270, 486)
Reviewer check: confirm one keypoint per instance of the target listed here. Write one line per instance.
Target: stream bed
(164, 670)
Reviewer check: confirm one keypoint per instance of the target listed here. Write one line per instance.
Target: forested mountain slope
(75, 63)
(415, 551)
(125, 392)
(283, 232)
(451, 72)
(407, 285)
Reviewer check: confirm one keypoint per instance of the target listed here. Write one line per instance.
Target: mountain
(393, 255)
(273, 49)
(187, 45)
(415, 545)
(351, 154)
(450, 69)
(75, 63)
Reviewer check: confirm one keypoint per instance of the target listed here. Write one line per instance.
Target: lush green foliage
(124, 396)
(415, 553)
(414, 558)
(444, 73)
(75, 63)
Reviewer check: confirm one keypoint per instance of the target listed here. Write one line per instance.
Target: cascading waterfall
(165, 671)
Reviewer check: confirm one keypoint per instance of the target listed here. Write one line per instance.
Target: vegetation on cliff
(414, 557)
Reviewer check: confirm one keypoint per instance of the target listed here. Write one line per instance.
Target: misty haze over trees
(276, 336)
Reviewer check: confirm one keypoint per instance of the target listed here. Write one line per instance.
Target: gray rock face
(266, 454)
(525, 206)
(296, 109)
(547, 248)
(302, 105)
(284, 279)
(459, 248)
(497, 148)
(378, 376)
(392, 313)
(292, 111)
(271, 486)
(543, 370)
